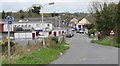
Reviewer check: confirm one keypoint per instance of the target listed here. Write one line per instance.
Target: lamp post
(42, 15)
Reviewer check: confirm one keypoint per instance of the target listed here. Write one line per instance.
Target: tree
(22, 16)
(104, 17)
(107, 24)
(21, 11)
(36, 9)
(3, 15)
(117, 21)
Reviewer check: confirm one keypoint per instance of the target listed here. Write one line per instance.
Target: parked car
(69, 34)
(73, 29)
(77, 31)
(81, 31)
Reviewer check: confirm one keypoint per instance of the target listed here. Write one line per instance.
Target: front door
(33, 36)
(55, 34)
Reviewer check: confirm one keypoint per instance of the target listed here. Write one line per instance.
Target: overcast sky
(59, 6)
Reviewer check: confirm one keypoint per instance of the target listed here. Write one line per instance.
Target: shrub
(5, 42)
(91, 31)
(55, 39)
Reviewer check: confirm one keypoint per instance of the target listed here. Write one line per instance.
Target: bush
(55, 39)
(5, 43)
(107, 42)
(91, 31)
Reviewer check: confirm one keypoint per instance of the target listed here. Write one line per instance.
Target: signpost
(9, 20)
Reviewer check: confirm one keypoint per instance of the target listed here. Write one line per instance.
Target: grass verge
(107, 42)
(44, 55)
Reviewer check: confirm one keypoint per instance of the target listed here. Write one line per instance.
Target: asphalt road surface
(83, 52)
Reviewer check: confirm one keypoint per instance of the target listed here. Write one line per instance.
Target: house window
(22, 26)
(14, 25)
(18, 26)
(29, 25)
(25, 25)
(37, 25)
(37, 33)
(48, 25)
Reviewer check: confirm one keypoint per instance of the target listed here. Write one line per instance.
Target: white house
(29, 30)
(82, 23)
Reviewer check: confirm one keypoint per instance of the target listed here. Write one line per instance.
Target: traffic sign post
(9, 20)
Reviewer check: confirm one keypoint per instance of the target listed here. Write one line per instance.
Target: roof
(74, 20)
(84, 21)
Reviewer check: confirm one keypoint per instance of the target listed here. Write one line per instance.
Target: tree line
(107, 18)
(34, 10)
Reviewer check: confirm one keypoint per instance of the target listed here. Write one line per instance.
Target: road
(83, 52)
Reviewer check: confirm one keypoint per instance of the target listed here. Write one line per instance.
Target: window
(18, 26)
(37, 25)
(14, 25)
(22, 26)
(48, 25)
(29, 25)
(25, 25)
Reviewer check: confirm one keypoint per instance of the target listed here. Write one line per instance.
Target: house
(73, 22)
(82, 23)
(26, 30)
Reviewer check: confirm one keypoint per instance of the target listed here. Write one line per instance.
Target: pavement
(83, 52)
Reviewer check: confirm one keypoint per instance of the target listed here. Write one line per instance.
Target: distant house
(73, 22)
(82, 23)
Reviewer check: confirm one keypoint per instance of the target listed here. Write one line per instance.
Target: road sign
(10, 19)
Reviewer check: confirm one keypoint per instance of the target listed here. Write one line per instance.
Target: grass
(107, 42)
(43, 56)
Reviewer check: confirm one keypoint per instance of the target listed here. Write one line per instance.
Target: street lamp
(42, 15)
(42, 6)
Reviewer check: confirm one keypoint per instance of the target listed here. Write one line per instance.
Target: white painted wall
(23, 35)
(57, 32)
(46, 34)
(77, 25)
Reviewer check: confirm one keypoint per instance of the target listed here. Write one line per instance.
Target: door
(79, 26)
(62, 33)
(55, 34)
(33, 36)
(50, 32)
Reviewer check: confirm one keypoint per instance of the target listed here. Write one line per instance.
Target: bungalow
(26, 30)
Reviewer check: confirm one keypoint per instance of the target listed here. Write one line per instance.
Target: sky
(59, 6)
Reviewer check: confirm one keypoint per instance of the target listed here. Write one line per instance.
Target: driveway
(83, 52)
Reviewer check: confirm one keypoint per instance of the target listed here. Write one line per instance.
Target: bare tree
(95, 6)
